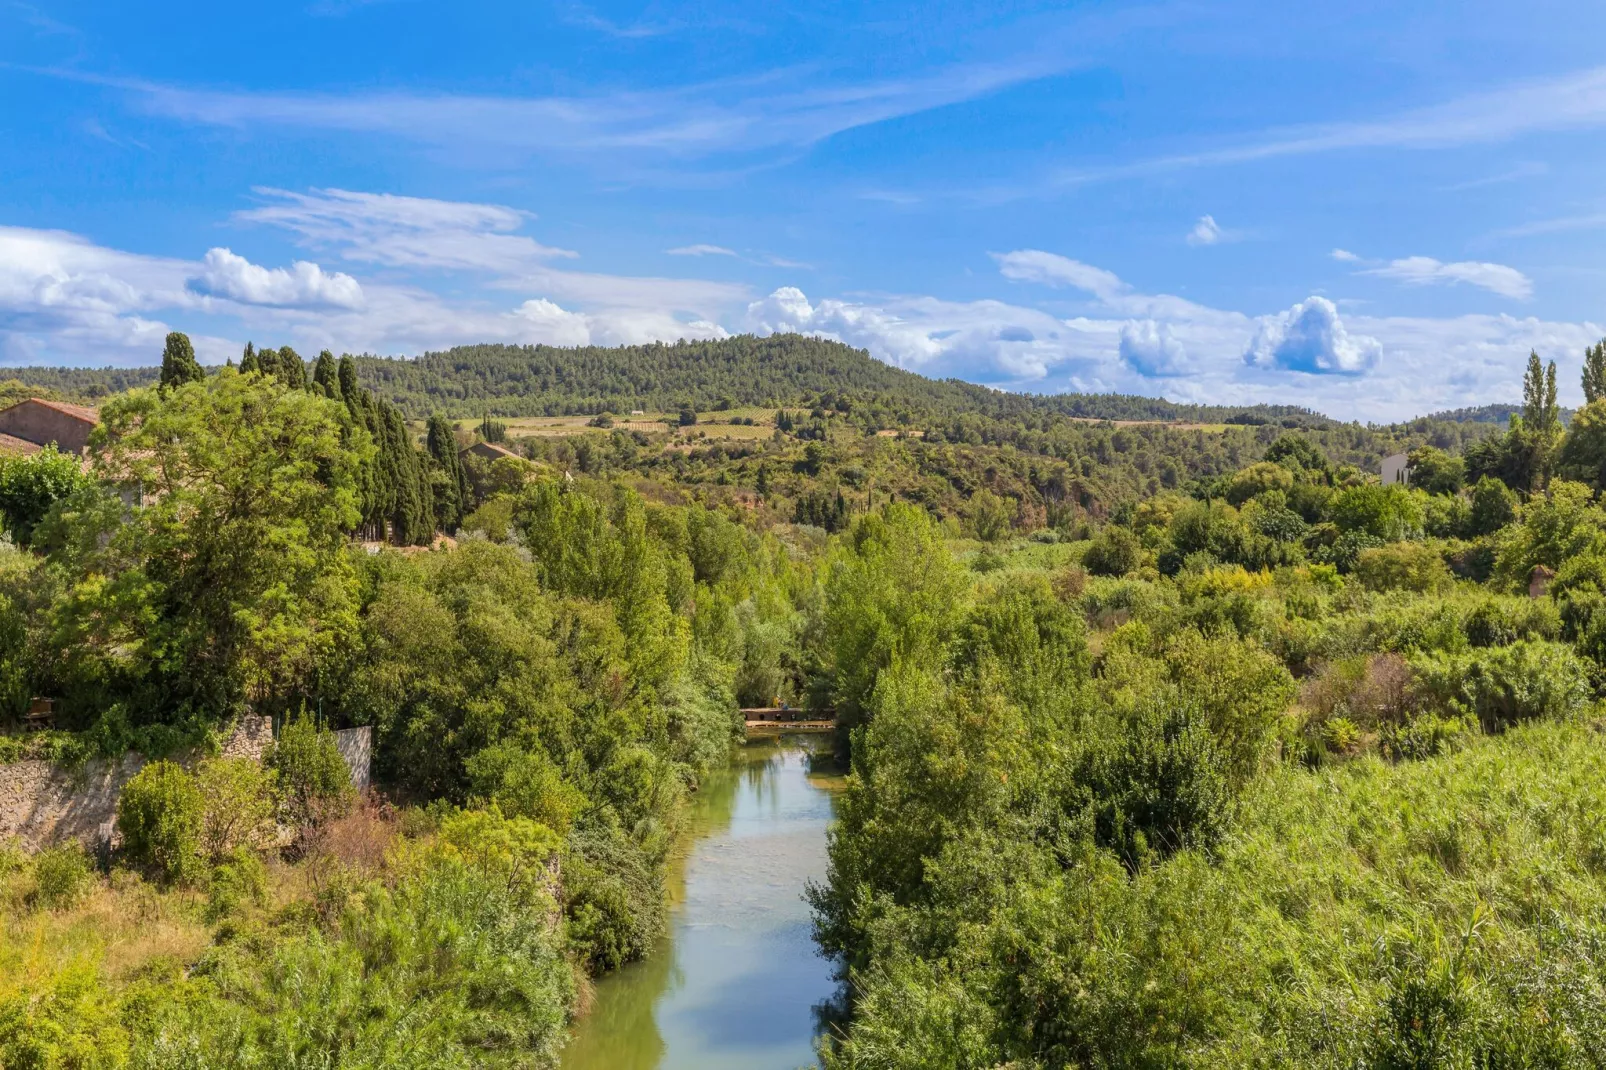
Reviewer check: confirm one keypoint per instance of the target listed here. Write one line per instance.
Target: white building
(1396, 469)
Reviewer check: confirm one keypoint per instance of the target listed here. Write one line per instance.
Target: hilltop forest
(1182, 742)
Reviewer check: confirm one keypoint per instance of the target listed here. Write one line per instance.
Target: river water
(739, 984)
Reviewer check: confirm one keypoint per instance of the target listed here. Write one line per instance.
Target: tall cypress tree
(451, 498)
(179, 365)
(326, 375)
(292, 370)
(1595, 371)
(248, 360)
(349, 387)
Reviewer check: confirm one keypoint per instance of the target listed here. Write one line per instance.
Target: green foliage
(239, 805)
(31, 485)
(1258, 479)
(1403, 566)
(1594, 376)
(1385, 513)
(1493, 507)
(1506, 685)
(228, 584)
(1114, 552)
(62, 877)
(1436, 471)
(160, 815)
(309, 772)
(891, 590)
(179, 365)
(1582, 456)
(1563, 525)
(238, 879)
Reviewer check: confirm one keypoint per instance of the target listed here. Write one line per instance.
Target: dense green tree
(228, 585)
(30, 485)
(451, 483)
(1436, 471)
(179, 365)
(1595, 372)
(326, 376)
(1582, 456)
(1493, 506)
(891, 593)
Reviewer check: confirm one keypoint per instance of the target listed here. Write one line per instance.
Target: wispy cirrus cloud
(700, 250)
(383, 228)
(1568, 102)
(775, 110)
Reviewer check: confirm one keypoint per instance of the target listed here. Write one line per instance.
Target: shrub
(240, 879)
(1387, 514)
(62, 877)
(1403, 566)
(525, 783)
(312, 776)
(1115, 552)
(1258, 479)
(1507, 685)
(1154, 785)
(160, 816)
(239, 805)
(1501, 621)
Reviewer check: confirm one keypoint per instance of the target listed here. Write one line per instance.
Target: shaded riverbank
(739, 984)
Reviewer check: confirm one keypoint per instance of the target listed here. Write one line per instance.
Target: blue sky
(1375, 209)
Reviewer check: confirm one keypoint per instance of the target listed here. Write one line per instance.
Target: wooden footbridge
(788, 719)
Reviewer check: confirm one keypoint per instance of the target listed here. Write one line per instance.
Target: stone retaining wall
(42, 803)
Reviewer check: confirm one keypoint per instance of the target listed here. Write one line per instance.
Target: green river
(738, 984)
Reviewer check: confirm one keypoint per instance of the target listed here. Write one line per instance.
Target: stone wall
(42, 803)
(357, 747)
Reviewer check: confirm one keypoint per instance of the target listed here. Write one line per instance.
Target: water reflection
(740, 984)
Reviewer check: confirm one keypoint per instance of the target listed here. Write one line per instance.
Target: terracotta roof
(77, 412)
(482, 447)
(13, 444)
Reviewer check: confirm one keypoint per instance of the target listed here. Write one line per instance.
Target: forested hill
(746, 370)
(506, 380)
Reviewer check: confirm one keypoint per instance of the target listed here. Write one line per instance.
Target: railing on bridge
(790, 716)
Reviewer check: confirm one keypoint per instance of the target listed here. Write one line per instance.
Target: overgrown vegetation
(1170, 746)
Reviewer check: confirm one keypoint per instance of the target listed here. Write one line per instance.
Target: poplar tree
(1595, 371)
(179, 365)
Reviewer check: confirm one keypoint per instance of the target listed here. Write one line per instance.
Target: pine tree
(179, 365)
(1595, 371)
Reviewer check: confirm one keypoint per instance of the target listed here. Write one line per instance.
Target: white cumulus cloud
(1426, 271)
(1344, 256)
(1152, 350)
(302, 285)
(1311, 338)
